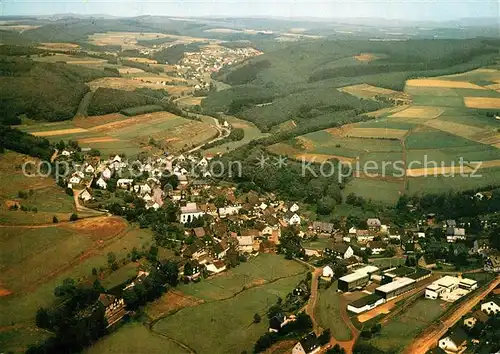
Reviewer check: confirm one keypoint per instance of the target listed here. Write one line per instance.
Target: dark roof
(106, 299)
(323, 226)
(458, 336)
(340, 247)
(420, 272)
(402, 271)
(366, 300)
(480, 316)
(377, 244)
(309, 342)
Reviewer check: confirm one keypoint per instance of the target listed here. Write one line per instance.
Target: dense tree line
(174, 54)
(18, 141)
(247, 73)
(42, 91)
(143, 66)
(108, 100)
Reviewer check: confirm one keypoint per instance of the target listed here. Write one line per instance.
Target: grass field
(377, 190)
(227, 325)
(48, 198)
(73, 60)
(135, 338)
(257, 271)
(327, 312)
(251, 132)
(114, 133)
(400, 330)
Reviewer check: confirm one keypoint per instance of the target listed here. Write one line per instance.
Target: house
(293, 208)
(492, 262)
(117, 159)
(291, 218)
(328, 271)
(245, 243)
(190, 212)
(65, 153)
(491, 307)
(106, 174)
(216, 267)
(373, 224)
(85, 196)
(340, 250)
(199, 232)
(152, 204)
(453, 234)
(147, 197)
(325, 227)
(101, 183)
(477, 316)
(308, 345)
(75, 180)
(377, 247)
(145, 188)
(89, 169)
(220, 249)
(229, 210)
(364, 236)
(124, 183)
(194, 250)
(426, 262)
(183, 181)
(276, 322)
(353, 230)
(454, 342)
(114, 308)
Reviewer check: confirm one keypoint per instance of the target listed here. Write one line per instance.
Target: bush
(73, 217)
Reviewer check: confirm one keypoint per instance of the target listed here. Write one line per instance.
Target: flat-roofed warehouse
(366, 303)
(396, 288)
(358, 279)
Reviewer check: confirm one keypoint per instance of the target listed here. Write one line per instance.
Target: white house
(75, 180)
(377, 247)
(455, 342)
(190, 212)
(152, 204)
(106, 174)
(147, 197)
(117, 158)
(292, 218)
(85, 196)
(294, 208)
(203, 162)
(453, 234)
(145, 188)
(308, 345)
(229, 210)
(328, 271)
(491, 307)
(245, 243)
(352, 230)
(89, 169)
(101, 183)
(216, 267)
(124, 182)
(65, 153)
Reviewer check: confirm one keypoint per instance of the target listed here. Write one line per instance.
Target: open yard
(328, 314)
(257, 271)
(226, 325)
(135, 338)
(400, 330)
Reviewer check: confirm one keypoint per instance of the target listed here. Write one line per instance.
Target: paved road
(429, 339)
(311, 304)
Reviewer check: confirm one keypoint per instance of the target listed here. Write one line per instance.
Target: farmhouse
(190, 212)
(324, 227)
(114, 308)
(492, 263)
(491, 307)
(101, 183)
(366, 303)
(124, 183)
(340, 250)
(477, 316)
(291, 218)
(453, 234)
(85, 196)
(308, 345)
(377, 247)
(216, 267)
(454, 342)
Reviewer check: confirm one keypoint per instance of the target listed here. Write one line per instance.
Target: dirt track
(430, 338)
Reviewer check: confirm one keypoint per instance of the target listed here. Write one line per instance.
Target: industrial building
(396, 288)
(450, 288)
(358, 279)
(365, 303)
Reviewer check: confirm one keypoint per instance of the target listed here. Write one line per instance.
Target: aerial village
(219, 222)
